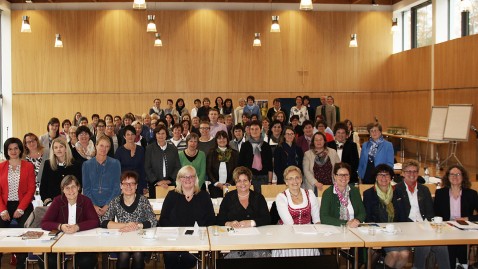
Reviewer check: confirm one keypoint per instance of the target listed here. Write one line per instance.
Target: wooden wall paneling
(411, 70)
(456, 63)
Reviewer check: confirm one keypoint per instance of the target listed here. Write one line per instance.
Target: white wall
(6, 37)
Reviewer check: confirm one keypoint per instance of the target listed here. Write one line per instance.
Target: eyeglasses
(204, 128)
(109, 126)
(343, 175)
(100, 126)
(408, 172)
(455, 175)
(126, 184)
(289, 133)
(191, 177)
(73, 187)
(383, 175)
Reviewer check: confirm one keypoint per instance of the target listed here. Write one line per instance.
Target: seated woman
(243, 207)
(456, 201)
(220, 164)
(129, 212)
(17, 187)
(184, 207)
(60, 164)
(341, 203)
(58, 217)
(296, 206)
(379, 208)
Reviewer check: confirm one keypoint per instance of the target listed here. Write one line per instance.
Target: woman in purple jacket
(57, 218)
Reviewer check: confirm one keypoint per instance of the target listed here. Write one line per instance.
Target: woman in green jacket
(341, 203)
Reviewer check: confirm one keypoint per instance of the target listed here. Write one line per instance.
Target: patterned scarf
(344, 201)
(373, 149)
(256, 144)
(223, 155)
(88, 152)
(321, 157)
(386, 200)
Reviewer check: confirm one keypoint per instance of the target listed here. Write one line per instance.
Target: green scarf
(386, 200)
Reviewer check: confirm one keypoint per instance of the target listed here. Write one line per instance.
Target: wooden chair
(321, 192)
(474, 185)
(432, 187)
(231, 188)
(162, 192)
(271, 191)
(364, 187)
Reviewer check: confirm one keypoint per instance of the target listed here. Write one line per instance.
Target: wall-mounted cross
(303, 72)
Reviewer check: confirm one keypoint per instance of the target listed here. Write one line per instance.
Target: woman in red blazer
(17, 187)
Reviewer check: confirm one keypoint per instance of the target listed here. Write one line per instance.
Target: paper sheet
(304, 229)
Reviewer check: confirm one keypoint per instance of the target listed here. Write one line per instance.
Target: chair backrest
(474, 185)
(364, 187)
(162, 192)
(34, 220)
(231, 188)
(432, 187)
(321, 192)
(271, 191)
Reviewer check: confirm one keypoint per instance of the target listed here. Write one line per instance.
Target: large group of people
(104, 171)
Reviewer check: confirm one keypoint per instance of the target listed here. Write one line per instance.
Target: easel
(453, 145)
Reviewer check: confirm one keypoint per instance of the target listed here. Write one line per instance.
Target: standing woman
(85, 148)
(296, 206)
(341, 203)
(286, 154)
(65, 125)
(374, 152)
(184, 207)
(280, 116)
(274, 135)
(131, 158)
(53, 129)
(34, 151)
(239, 111)
(73, 138)
(129, 212)
(58, 217)
(379, 208)
(76, 119)
(59, 165)
(352, 134)
(456, 201)
(221, 162)
(194, 157)
(228, 108)
(219, 105)
(319, 162)
(110, 131)
(180, 108)
(186, 128)
(17, 187)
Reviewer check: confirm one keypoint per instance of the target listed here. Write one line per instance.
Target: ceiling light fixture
(26, 25)
(275, 27)
(257, 40)
(353, 41)
(157, 41)
(151, 28)
(139, 4)
(394, 25)
(28, 1)
(306, 5)
(58, 42)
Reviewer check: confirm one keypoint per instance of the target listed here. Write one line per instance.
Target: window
(421, 25)
(407, 30)
(455, 18)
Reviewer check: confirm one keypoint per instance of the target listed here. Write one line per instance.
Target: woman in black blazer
(456, 191)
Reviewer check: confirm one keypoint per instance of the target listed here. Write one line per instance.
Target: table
(418, 140)
(283, 237)
(10, 242)
(104, 240)
(415, 234)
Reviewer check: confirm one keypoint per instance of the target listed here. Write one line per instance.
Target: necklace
(243, 196)
(295, 195)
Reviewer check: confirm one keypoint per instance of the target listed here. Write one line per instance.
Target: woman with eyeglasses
(34, 151)
(378, 202)
(183, 207)
(220, 164)
(456, 201)
(296, 206)
(85, 148)
(129, 212)
(374, 152)
(286, 154)
(341, 203)
(57, 218)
